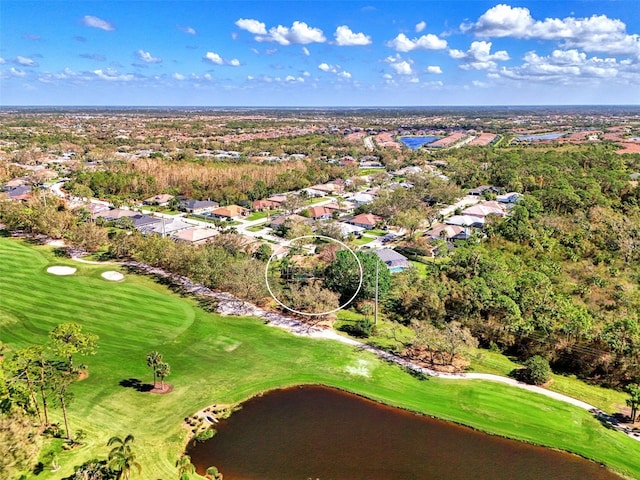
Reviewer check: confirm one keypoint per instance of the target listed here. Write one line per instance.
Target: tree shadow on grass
(136, 384)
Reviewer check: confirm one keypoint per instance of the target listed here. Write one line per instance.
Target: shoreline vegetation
(271, 359)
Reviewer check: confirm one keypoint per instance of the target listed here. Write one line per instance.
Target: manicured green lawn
(362, 241)
(217, 359)
(257, 228)
(256, 216)
(603, 398)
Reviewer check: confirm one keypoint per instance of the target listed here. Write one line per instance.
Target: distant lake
(543, 136)
(315, 432)
(415, 143)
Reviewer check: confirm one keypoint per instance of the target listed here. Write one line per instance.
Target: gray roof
(140, 221)
(388, 256)
(195, 204)
(19, 190)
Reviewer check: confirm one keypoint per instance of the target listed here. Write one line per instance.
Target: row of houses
(174, 228)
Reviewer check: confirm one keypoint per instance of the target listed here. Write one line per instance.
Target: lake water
(320, 433)
(415, 143)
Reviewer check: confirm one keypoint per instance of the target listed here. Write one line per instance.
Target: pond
(314, 432)
(415, 143)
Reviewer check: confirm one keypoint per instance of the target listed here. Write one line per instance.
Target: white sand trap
(58, 270)
(112, 276)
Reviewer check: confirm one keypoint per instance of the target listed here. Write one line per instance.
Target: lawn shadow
(136, 384)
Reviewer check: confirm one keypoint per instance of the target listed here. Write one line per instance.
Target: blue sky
(319, 53)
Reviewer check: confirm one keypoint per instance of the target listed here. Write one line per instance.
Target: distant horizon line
(312, 107)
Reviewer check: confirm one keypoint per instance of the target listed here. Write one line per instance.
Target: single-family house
(329, 188)
(394, 261)
(483, 209)
(165, 227)
(313, 192)
(230, 212)
(279, 198)
(511, 197)
(261, 205)
(143, 222)
(367, 221)
(94, 208)
(197, 206)
(348, 229)
(448, 232)
(361, 198)
(320, 213)
(466, 221)
(478, 191)
(280, 220)
(194, 235)
(19, 193)
(161, 200)
(114, 214)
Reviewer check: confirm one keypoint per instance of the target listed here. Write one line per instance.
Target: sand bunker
(58, 270)
(112, 276)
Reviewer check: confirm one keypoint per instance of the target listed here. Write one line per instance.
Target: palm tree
(153, 360)
(185, 467)
(122, 459)
(163, 370)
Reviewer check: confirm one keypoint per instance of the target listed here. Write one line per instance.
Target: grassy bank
(217, 359)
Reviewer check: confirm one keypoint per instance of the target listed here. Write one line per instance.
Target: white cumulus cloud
(213, 58)
(335, 69)
(597, 33)
(17, 73)
(306, 51)
(234, 62)
(434, 69)
(402, 43)
(26, 62)
(95, 22)
(345, 37)
(299, 33)
(252, 26)
(566, 67)
(402, 68)
(479, 56)
(178, 76)
(420, 26)
(146, 57)
(112, 75)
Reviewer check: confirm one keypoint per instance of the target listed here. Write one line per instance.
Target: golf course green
(216, 359)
